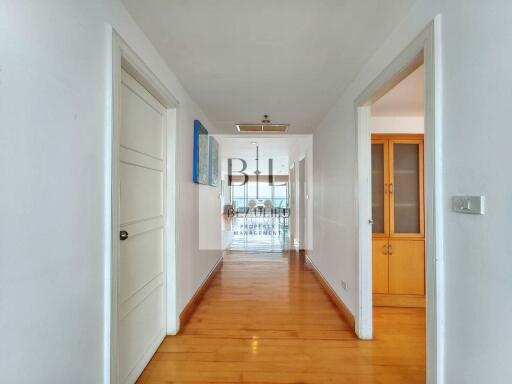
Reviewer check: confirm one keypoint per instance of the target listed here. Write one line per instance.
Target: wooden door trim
(384, 142)
(400, 139)
(398, 136)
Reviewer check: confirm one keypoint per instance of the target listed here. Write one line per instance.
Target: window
(278, 194)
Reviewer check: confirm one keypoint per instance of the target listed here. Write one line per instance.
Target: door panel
(139, 331)
(142, 261)
(407, 267)
(406, 188)
(141, 119)
(141, 277)
(380, 265)
(380, 200)
(141, 192)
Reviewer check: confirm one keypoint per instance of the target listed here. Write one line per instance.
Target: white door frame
(292, 191)
(302, 203)
(426, 48)
(123, 57)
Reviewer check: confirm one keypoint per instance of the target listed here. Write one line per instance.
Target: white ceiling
(405, 99)
(291, 59)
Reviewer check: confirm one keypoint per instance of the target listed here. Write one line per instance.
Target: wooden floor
(266, 319)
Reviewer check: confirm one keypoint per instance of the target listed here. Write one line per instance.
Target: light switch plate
(468, 204)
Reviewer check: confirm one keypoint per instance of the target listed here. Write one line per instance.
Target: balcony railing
(276, 202)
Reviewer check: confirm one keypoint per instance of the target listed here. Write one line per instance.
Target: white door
(141, 277)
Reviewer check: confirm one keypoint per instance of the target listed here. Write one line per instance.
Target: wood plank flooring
(266, 319)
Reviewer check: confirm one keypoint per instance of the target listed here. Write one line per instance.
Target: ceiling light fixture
(265, 126)
(265, 120)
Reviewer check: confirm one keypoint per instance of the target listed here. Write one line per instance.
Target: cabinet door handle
(385, 249)
(391, 189)
(390, 249)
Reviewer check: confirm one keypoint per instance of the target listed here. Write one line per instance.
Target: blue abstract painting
(213, 164)
(201, 159)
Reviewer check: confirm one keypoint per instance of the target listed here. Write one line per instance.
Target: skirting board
(408, 301)
(342, 308)
(196, 299)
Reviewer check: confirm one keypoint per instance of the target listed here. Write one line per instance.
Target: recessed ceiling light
(254, 143)
(264, 128)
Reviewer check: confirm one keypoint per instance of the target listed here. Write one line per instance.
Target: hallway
(260, 234)
(266, 319)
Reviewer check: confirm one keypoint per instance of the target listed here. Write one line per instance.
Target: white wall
(476, 138)
(397, 124)
(227, 233)
(53, 104)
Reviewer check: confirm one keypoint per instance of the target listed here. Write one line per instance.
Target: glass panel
(251, 190)
(378, 188)
(281, 195)
(264, 189)
(238, 196)
(406, 188)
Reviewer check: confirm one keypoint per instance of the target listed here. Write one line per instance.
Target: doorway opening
(398, 230)
(259, 198)
(140, 307)
(398, 199)
(300, 205)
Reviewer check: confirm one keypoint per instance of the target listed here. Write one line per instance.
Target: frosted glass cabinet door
(380, 200)
(406, 185)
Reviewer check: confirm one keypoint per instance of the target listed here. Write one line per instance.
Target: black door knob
(123, 235)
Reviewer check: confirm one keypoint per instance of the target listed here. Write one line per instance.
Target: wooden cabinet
(398, 220)
(380, 266)
(406, 267)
